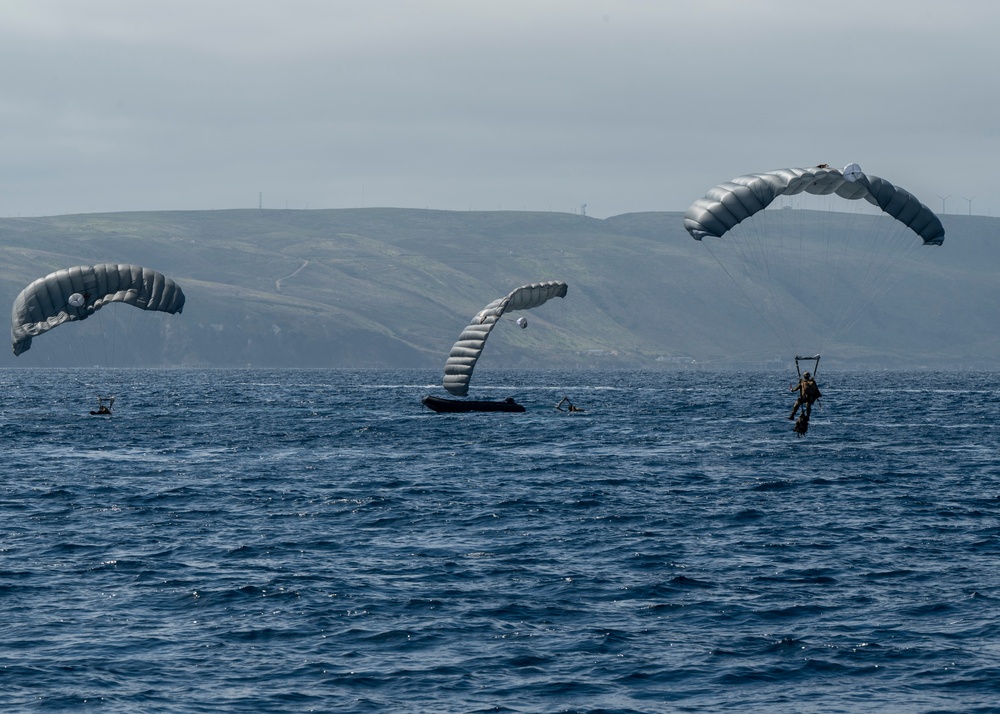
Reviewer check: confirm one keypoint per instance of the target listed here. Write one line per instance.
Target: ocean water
(317, 540)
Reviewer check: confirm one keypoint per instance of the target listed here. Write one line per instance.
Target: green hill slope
(394, 287)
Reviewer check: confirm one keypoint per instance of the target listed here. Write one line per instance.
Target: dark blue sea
(317, 540)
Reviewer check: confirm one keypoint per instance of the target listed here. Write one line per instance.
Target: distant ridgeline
(394, 287)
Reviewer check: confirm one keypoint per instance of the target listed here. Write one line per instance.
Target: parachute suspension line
(842, 320)
(814, 261)
(110, 335)
(836, 248)
(835, 252)
(776, 325)
(882, 279)
(109, 332)
(765, 260)
(743, 254)
(886, 243)
(808, 312)
(816, 281)
(771, 274)
(134, 326)
(814, 359)
(116, 328)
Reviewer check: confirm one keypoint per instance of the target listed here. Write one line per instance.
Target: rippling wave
(317, 540)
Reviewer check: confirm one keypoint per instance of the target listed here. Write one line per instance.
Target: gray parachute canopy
(726, 205)
(77, 293)
(464, 353)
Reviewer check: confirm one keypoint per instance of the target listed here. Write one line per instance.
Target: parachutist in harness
(808, 393)
(570, 406)
(104, 405)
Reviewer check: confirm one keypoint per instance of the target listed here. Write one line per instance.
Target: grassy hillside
(394, 287)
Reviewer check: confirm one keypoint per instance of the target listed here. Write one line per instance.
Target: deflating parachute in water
(730, 203)
(465, 352)
(77, 293)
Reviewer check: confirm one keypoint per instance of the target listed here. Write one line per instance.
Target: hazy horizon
(112, 106)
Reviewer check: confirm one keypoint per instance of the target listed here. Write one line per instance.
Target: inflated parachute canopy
(726, 205)
(464, 353)
(77, 293)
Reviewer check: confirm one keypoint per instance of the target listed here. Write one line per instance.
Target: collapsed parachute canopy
(465, 352)
(729, 203)
(77, 293)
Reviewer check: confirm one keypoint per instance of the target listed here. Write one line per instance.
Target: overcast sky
(623, 105)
